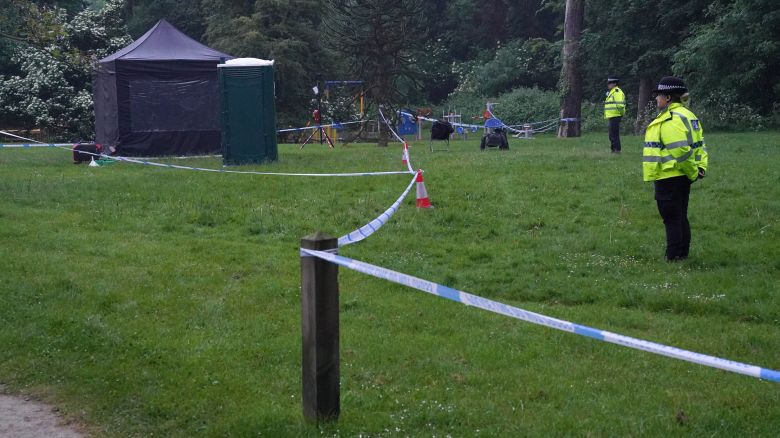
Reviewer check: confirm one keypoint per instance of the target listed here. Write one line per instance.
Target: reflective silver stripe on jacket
(699, 157)
(665, 158)
(689, 132)
(685, 157)
(677, 144)
(657, 159)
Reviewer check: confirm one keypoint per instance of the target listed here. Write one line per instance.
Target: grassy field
(146, 301)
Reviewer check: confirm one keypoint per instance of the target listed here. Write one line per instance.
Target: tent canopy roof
(164, 42)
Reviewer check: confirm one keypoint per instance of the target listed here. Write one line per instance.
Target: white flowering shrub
(725, 111)
(53, 87)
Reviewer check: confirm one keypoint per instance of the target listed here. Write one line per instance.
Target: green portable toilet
(247, 112)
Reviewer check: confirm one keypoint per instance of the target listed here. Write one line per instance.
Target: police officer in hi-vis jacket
(614, 109)
(674, 156)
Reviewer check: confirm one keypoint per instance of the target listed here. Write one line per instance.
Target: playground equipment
(455, 120)
(407, 123)
(337, 108)
(317, 117)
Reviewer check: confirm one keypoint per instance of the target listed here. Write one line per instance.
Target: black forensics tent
(159, 96)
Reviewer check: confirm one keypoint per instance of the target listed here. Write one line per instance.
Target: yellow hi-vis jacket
(674, 145)
(615, 104)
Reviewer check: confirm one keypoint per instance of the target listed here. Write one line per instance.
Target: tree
(269, 29)
(636, 41)
(53, 59)
(486, 44)
(571, 73)
(520, 63)
(185, 15)
(377, 36)
(736, 54)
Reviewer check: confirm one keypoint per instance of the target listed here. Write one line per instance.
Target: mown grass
(148, 301)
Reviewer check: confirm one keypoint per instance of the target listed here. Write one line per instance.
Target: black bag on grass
(83, 152)
(441, 130)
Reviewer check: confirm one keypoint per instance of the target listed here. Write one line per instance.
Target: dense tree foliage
(49, 84)
(186, 15)
(286, 32)
(733, 59)
(437, 52)
(636, 41)
(377, 36)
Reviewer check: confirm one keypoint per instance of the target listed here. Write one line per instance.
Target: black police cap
(671, 85)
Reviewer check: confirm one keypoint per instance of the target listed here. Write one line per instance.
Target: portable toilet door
(247, 111)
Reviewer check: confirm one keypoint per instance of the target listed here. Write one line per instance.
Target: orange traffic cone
(405, 154)
(422, 194)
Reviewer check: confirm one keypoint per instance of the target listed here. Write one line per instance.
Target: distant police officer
(674, 156)
(614, 109)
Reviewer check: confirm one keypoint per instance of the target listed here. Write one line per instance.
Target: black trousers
(671, 196)
(614, 133)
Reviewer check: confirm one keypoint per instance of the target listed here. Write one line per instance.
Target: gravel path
(21, 417)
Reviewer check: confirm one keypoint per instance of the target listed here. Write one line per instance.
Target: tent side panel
(105, 104)
(168, 107)
(163, 143)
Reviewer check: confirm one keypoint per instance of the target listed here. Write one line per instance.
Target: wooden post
(320, 331)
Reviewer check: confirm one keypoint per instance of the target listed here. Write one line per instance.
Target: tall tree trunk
(642, 112)
(382, 96)
(384, 135)
(571, 72)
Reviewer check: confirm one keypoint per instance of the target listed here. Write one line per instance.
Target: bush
(518, 106)
(50, 85)
(593, 118)
(774, 120)
(724, 111)
(520, 63)
(528, 105)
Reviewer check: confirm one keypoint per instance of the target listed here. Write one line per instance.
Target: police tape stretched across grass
(68, 146)
(349, 238)
(371, 227)
(535, 318)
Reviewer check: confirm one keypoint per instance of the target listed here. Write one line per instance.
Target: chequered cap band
(671, 87)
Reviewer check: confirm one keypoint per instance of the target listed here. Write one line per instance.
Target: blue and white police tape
(464, 125)
(390, 127)
(32, 144)
(204, 169)
(371, 227)
(535, 318)
(337, 125)
(250, 172)
(541, 122)
(35, 145)
(180, 157)
(548, 127)
(504, 125)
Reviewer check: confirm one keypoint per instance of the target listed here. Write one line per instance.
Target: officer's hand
(701, 173)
